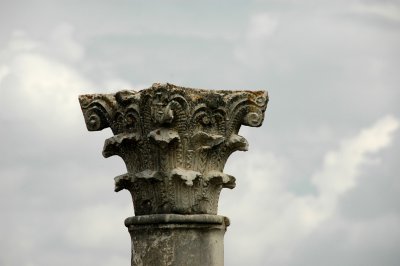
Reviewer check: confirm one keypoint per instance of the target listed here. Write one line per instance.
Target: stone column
(175, 142)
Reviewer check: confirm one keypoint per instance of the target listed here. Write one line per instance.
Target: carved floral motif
(174, 141)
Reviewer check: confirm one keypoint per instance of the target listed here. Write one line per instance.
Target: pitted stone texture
(175, 142)
(178, 240)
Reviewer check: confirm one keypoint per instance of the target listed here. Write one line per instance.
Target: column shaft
(180, 240)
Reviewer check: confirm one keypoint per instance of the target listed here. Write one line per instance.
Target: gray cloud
(319, 184)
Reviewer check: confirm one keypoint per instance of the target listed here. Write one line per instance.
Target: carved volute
(175, 142)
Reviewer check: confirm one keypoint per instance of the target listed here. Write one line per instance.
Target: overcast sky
(320, 182)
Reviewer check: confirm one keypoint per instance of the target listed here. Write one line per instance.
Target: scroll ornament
(174, 141)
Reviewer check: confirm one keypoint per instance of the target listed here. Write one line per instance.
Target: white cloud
(261, 28)
(64, 43)
(40, 83)
(341, 168)
(269, 222)
(379, 232)
(45, 76)
(275, 221)
(45, 84)
(19, 42)
(386, 10)
(4, 71)
(47, 87)
(96, 226)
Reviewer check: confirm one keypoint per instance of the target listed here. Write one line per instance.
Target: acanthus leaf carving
(174, 141)
(149, 175)
(217, 177)
(186, 175)
(163, 136)
(204, 140)
(123, 182)
(237, 143)
(112, 146)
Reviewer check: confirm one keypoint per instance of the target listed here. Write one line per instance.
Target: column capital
(174, 141)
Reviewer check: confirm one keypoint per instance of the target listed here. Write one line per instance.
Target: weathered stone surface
(173, 239)
(175, 142)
